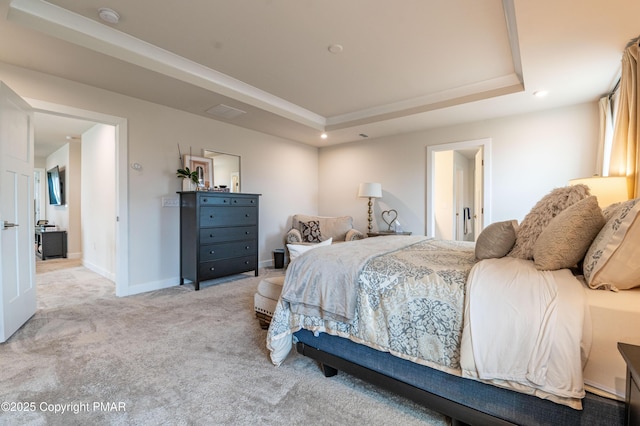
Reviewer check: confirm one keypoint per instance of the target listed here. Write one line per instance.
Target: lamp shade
(607, 189)
(370, 190)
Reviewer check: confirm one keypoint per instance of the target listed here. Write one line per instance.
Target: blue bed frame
(465, 401)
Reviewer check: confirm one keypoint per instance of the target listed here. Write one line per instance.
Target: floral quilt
(410, 303)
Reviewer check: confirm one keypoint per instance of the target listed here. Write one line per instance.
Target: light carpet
(173, 356)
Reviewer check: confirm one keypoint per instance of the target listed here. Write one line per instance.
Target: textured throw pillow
(310, 231)
(496, 240)
(296, 250)
(563, 243)
(613, 260)
(539, 217)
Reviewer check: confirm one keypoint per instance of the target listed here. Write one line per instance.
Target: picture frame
(204, 167)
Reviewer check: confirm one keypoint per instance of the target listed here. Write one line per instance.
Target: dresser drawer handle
(247, 248)
(212, 252)
(212, 269)
(247, 232)
(211, 236)
(246, 262)
(246, 215)
(211, 216)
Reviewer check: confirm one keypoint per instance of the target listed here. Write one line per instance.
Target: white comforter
(526, 329)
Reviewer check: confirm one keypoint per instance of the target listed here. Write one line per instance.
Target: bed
(482, 339)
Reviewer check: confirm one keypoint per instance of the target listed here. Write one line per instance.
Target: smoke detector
(108, 15)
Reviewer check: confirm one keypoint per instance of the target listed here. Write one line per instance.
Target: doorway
(118, 216)
(458, 189)
(79, 225)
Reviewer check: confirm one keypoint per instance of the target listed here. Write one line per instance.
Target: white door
(478, 193)
(17, 254)
(458, 202)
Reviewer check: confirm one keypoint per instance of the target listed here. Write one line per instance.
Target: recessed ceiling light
(108, 15)
(335, 49)
(540, 93)
(324, 136)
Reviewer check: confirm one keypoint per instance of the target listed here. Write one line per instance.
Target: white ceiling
(405, 65)
(53, 131)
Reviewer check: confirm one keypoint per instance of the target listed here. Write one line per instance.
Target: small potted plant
(189, 179)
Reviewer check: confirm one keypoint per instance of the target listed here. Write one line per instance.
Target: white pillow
(613, 260)
(296, 250)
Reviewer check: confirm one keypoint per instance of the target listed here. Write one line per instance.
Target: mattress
(614, 318)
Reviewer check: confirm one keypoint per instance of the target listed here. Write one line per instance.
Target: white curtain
(625, 157)
(606, 135)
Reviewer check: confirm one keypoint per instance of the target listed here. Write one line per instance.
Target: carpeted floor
(174, 356)
(55, 264)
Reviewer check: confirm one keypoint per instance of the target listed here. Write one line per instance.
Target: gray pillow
(496, 239)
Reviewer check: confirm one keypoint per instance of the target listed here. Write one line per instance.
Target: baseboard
(149, 286)
(265, 264)
(99, 270)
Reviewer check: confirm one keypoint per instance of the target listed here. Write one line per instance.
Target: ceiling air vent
(225, 111)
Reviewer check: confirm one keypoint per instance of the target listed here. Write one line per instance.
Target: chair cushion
(330, 227)
(271, 287)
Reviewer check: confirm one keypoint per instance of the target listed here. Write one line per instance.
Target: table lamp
(607, 189)
(370, 190)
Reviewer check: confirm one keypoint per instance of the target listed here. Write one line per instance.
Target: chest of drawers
(218, 235)
(631, 355)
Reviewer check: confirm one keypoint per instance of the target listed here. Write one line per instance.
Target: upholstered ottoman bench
(266, 298)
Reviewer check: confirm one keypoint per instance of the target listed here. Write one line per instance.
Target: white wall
(67, 216)
(531, 155)
(98, 199)
(283, 171)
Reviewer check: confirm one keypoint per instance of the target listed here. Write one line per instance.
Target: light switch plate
(170, 202)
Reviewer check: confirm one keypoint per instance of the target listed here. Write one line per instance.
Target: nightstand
(631, 355)
(382, 233)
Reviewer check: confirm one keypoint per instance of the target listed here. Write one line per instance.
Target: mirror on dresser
(226, 170)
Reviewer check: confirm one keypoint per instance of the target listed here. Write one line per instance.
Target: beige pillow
(539, 217)
(613, 260)
(563, 243)
(496, 239)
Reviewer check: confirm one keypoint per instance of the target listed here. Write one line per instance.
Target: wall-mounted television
(55, 182)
